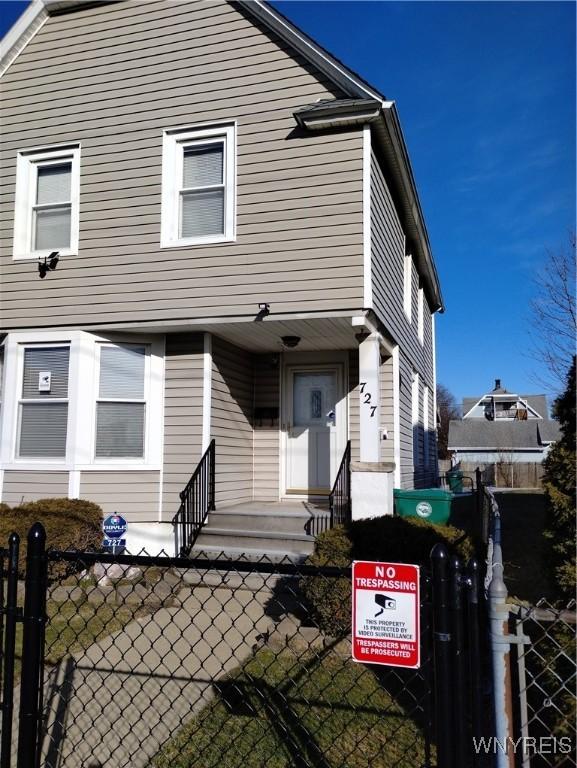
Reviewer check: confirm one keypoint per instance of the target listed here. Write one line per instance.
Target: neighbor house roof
(387, 127)
(501, 436)
(537, 402)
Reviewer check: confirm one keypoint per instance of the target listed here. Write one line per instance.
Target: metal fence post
(442, 656)
(498, 621)
(458, 662)
(11, 613)
(32, 648)
(474, 627)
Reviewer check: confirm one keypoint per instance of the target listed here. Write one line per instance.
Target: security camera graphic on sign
(385, 603)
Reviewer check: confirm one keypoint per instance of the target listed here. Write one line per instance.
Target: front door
(312, 430)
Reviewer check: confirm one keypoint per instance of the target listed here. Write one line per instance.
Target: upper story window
(46, 215)
(43, 406)
(421, 318)
(407, 286)
(121, 405)
(198, 186)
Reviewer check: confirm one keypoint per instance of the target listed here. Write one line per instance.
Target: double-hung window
(47, 193)
(43, 406)
(198, 186)
(121, 404)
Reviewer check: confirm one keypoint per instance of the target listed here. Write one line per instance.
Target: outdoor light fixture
(290, 341)
(50, 263)
(263, 311)
(361, 336)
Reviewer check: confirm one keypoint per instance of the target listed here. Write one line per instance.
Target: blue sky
(486, 94)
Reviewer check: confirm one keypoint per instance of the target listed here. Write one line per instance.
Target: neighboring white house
(503, 426)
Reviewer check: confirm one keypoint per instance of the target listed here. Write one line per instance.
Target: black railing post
(11, 613)
(459, 681)
(479, 503)
(32, 648)
(442, 656)
(474, 633)
(212, 499)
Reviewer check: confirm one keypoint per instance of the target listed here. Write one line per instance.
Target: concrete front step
(250, 521)
(264, 541)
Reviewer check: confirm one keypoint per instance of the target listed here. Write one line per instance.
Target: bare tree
(447, 409)
(553, 316)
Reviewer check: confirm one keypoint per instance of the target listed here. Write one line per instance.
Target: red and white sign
(386, 614)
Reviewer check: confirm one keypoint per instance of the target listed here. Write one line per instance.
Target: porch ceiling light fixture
(290, 341)
(49, 263)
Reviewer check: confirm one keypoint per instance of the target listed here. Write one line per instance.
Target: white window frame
(82, 397)
(174, 141)
(40, 400)
(128, 460)
(415, 387)
(27, 164)
(426, 441)
(408, 286)
(421, 317)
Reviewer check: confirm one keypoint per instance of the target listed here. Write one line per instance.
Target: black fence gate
(121, 661)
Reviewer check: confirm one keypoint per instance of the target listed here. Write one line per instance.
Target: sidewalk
(115, 704)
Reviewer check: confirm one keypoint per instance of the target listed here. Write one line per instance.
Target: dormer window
(198, 186)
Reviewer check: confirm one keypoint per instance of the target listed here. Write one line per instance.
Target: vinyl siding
(266, 431)
(387, 420)
(231, 421)
(134, 495)
(127, 73)
(387, 258)
(354, 402)
(23, 486)
(183, 395)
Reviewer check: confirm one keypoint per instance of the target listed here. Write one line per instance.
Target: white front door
(312, 443)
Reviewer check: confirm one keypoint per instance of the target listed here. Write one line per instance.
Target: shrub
(389, 539)
(560, 493)
(69, 524)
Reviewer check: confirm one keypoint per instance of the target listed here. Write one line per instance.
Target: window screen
(202, 195)
(52, 211)
(121, 411)
(43, 410)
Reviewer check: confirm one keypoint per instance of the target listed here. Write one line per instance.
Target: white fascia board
(409, 187)
(336, 71)
(20, 34)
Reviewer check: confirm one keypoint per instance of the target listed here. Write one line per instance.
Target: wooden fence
(502, 474)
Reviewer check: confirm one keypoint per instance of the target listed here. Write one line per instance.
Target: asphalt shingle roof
(480, 433)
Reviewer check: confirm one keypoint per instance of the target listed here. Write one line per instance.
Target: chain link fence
(168, 663)
(544, 678)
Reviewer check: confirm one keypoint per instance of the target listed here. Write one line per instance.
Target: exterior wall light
(49, 263)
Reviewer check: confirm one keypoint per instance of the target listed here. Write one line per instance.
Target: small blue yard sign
(114, 527)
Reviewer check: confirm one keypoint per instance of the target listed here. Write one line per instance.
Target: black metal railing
(196, 500)
(340, 496)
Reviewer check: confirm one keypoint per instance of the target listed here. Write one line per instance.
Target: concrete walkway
(115, 704)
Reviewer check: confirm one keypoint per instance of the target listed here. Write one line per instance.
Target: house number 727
(367, 400)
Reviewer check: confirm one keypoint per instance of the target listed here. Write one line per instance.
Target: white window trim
(408, 286)
(173, 141)
(426, 427)
(27, 162)
(421, 317)
(415, 387)
(82, 392)
(127, 460)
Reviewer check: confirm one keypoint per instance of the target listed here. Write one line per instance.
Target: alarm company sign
(386, 614)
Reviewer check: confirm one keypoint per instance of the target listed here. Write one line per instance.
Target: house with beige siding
(215, 275)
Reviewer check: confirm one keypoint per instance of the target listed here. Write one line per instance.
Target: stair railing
(340, 496)
(196, 500)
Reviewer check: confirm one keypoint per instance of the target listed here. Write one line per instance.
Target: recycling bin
(432, 504)
(455, 480)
